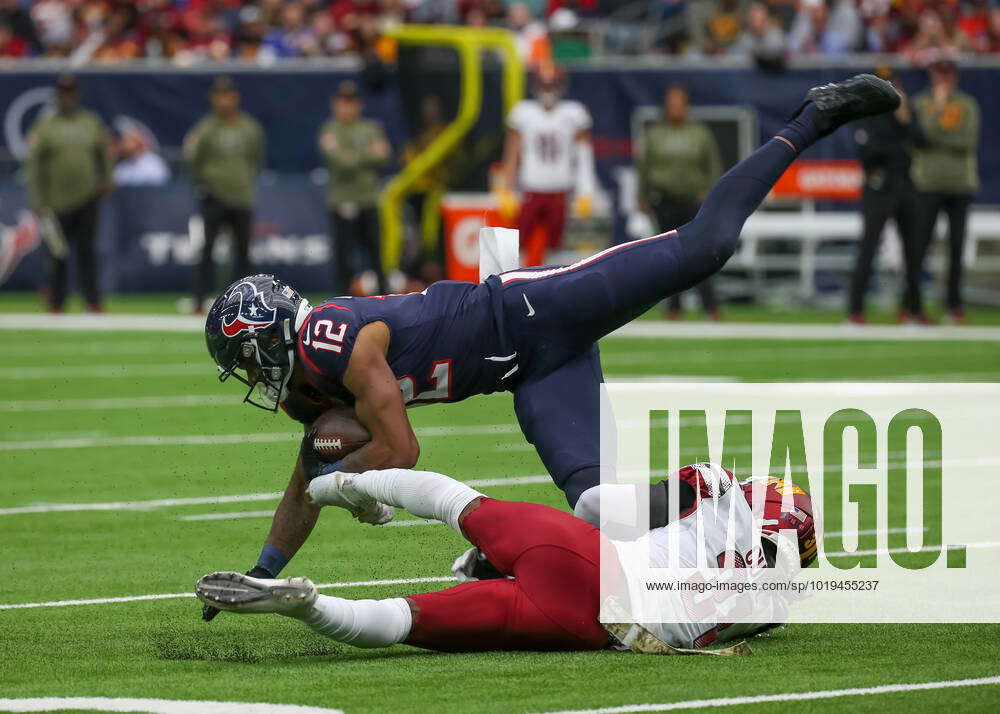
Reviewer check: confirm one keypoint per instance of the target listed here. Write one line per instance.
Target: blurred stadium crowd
(264, 31)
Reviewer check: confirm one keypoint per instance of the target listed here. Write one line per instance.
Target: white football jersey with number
(701, 540)
(548, 143)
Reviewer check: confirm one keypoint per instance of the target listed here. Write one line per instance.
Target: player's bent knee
(576, 482)
(472, 505)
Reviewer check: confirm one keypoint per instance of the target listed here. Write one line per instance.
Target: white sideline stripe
(172, 596)
(788, 697)
(217, 439)
(211, 500)
(47, 405)
(155, 706)
(646, 329)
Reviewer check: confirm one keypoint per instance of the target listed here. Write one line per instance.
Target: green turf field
(122, 417)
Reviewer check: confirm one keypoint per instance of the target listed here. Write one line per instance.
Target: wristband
(272, 560)
(331, 468)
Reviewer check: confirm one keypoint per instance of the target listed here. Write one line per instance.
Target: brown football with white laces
(337, 433)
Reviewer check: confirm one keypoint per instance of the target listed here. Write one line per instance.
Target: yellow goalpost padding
(469, 42)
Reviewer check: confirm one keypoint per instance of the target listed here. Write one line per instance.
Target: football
(337, 433)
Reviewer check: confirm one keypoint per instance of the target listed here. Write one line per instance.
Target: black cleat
(863, 95)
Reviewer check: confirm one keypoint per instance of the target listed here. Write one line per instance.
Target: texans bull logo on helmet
(246, 310)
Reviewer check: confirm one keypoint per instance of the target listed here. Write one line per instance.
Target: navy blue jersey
(445, 343)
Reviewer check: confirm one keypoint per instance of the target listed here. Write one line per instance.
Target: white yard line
(49, 405)
(176, 440)
(137, 505)
(172, 596)
(110, 371)
(650, 329)
(154, 706)
(218, 439)
(96, 345)
(102, 323)
(987, 545)
(479, 483)
(718, 354)
(227, 516)
(788, 697)
(639, 329)
(212, 500)
(323, 586)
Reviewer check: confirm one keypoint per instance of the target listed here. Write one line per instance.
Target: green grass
(161, 648)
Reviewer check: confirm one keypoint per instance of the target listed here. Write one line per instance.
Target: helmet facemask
(267, 358)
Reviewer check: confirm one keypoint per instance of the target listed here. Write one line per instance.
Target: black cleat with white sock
(838, 103)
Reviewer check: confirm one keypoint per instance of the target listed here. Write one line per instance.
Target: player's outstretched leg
(710, 239)
(552, 603)
(566, 309)
(362, 623)
(423, 493)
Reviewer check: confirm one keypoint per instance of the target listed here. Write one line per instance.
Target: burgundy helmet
(798, 518)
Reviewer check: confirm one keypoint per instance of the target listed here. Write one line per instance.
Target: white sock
(362, 623)
(422, 493)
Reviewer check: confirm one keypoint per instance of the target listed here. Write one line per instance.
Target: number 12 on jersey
(324, 328)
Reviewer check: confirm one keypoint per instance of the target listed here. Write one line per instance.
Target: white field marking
(667, 378)
(155, 706)
(110, 371)
(649, 329)
(646, 329)
(102, 323)
(756, 355)
(979, 376)
(178, 440)
(48, 405)
(219, 439)
(137, 505)
(939, 377)
(173, 596)
(983, 545)
(788, 697)
(428, 522)
(875, 531)
(480, 483)
(212, 500)
(108, 347)
(229, 516)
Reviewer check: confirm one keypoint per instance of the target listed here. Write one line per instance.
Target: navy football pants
(557, 314)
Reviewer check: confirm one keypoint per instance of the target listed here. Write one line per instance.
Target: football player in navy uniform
(532, 332)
